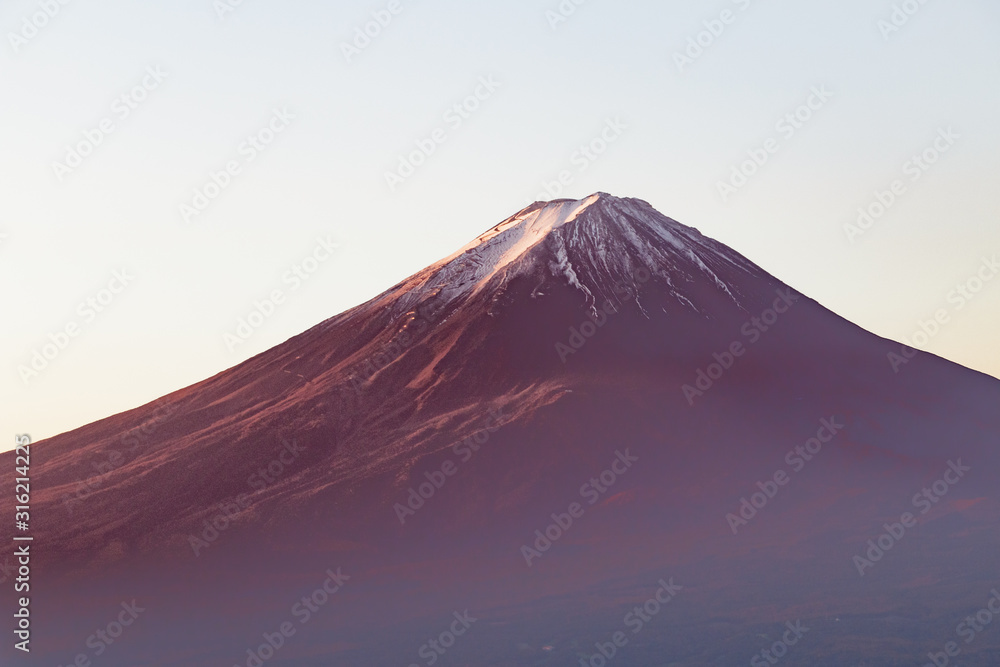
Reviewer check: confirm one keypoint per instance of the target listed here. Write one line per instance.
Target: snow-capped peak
(501, 245)
(609, 239)
(536, 222)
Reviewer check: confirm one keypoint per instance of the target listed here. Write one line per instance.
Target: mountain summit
(588, 407)
(589, 243)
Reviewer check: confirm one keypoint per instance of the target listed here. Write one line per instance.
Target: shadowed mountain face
(592, 430)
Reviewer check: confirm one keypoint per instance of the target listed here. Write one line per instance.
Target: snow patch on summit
(491, 252)
(534, 224)
(608, 240)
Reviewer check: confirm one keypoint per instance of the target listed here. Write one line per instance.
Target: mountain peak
(590, 244)
(536, 221)
(489, 412)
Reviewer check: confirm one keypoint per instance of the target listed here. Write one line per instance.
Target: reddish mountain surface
(591, 420)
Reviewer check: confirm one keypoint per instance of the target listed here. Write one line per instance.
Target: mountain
(591, 432)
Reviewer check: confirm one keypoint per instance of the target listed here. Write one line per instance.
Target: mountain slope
(421, 439)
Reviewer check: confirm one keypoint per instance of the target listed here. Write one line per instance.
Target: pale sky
(181, 85)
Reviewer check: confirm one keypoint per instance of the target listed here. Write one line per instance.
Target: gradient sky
(324, 174)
